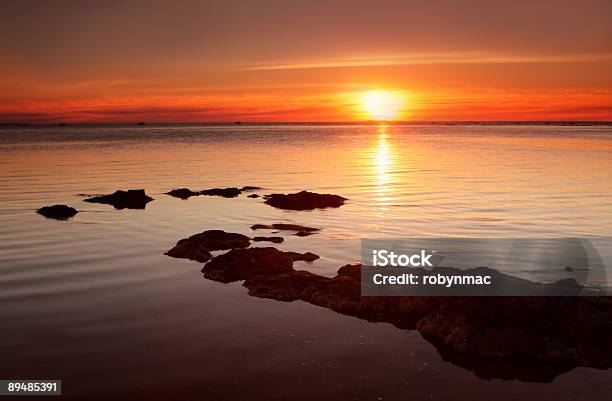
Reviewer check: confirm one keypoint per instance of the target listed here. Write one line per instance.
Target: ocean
(93, 301)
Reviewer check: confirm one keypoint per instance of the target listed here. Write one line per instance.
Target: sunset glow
(206, 67)
(382, 105)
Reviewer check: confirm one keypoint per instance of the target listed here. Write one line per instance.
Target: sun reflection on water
(383, 162)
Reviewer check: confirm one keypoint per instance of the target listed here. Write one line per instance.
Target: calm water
(93, 300)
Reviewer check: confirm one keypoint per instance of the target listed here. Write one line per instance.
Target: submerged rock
(130, 199)
(306, 257)
(232, 192)
(301, 231)
(253, 196)
(573, 330)
(304, 200)
(224, 192)
(183, 193)
(341, 293)
(276, 240)
(242, 264)
(58, 212)
(198, 246)
(570, 331)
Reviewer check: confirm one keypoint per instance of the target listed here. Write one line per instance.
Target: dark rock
(183, 193)
(276, 240)
(304, 233)
(286, 227)
(261, 227)
(289, 286)
(241, 264)
(253, 196)
(219, 240)
(570, 331)
(59, 212)
(565, 329)
(304, 200)
(342, 294)
(224, 192)
(232, 192)
(305, 257)
(130, 199)
(190, 250)
(198, 246)
(569, 269)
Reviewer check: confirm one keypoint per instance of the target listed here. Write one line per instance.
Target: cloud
(429, 59)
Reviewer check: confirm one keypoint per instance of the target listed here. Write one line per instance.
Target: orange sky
(304, 61)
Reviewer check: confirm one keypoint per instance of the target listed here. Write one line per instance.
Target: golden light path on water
(383, 161)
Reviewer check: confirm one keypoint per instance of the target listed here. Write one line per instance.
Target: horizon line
(365, 122)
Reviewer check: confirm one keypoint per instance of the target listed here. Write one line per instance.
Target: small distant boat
(238, 122)
(142, 123)
(61, 124)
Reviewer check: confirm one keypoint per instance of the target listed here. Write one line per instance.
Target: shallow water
(94, 301)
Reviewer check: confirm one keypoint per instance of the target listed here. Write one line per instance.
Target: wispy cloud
(428, 59)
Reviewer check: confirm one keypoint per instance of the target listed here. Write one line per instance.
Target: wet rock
(190, 250)
(223, 192)
(570, 331)
(305, 257)
(565, 329)
(198, 246)
(276, 240)
(183, 193)
(288, 286)
(130, 199)
(232, 192)
(287, 227)
(342, 294)
(241, 264)
(58, 212)
(304, 200)
(253, 196)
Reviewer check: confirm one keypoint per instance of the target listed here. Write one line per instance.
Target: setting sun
(382, 105)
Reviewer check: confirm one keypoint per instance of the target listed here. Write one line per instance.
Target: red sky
(126, 61)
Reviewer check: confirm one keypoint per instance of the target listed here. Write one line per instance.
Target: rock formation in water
(183, 193)
(304, 200)
(231, 192)
(58, 212)
(198, 246)
(130, 199)
(572, 331)
(241, 264)
(300, 231)
(276, 240)
(223, 192)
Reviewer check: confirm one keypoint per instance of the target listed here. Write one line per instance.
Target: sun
(381, 105)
